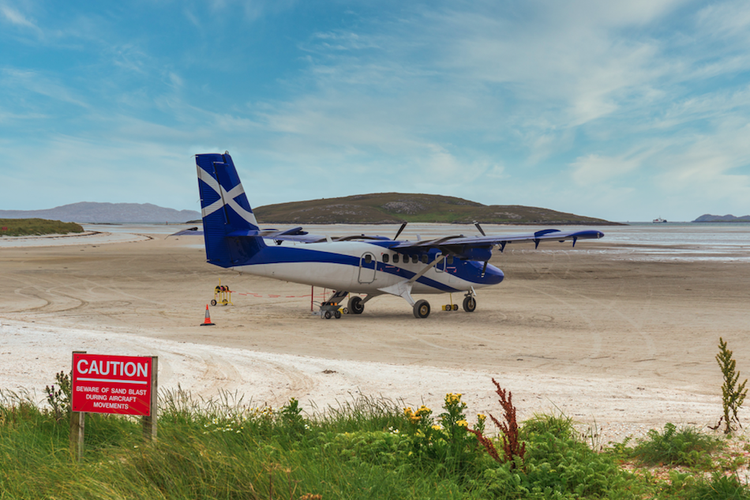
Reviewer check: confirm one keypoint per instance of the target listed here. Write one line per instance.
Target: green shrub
(721, 487)
(558, 465)
(732, 395)
(686, 447)
(558, 425)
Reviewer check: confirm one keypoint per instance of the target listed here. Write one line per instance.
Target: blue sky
(623, 110)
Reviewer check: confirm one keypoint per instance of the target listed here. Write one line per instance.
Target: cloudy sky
(624, 110)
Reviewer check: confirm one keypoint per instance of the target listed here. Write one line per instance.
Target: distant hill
(106, 213)
(722, 218)
(389, 208)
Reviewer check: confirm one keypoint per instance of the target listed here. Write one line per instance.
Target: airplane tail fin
(229, 226)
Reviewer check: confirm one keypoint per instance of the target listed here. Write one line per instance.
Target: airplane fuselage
(367, 267)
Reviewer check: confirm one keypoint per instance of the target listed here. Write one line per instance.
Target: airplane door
(367, 268)
(449, 265)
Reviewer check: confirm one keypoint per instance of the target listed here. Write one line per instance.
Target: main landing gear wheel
(421, 309)
(470, 304)
(355, 305)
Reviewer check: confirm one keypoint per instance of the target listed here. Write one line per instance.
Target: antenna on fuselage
(480, 230)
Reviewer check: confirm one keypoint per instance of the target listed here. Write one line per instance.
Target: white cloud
(595, 170)
(643, 100)
(21, 81)
(15, 17)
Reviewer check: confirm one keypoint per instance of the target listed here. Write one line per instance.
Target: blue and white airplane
(364, 265)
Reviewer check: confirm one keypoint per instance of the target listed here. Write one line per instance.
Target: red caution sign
(112, 384)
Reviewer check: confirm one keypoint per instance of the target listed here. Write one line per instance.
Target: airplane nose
(494, 275)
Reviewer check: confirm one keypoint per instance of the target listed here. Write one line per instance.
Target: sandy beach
(625, 343)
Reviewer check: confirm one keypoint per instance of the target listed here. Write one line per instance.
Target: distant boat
(658, 220)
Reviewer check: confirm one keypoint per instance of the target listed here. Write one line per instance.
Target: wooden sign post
(122, 385)
(77, 421)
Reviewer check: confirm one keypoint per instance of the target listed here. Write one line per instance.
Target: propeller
(400, 229)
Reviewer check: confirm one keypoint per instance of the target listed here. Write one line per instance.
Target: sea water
(727, 242)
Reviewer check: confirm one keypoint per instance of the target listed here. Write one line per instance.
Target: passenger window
(385, 258)
(395, 258)
(414, 259)
(424, 258)
(449, 259)
(368, 258)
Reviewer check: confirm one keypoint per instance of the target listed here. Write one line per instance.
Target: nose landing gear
(470, 303)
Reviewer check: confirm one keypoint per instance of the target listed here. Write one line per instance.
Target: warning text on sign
(112, 384)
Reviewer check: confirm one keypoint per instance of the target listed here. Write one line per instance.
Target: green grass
(686, 446)
(227, 448)
(35, 227)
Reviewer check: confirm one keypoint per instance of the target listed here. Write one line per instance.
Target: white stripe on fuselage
(346, 277)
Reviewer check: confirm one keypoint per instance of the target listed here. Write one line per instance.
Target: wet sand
(627, 344)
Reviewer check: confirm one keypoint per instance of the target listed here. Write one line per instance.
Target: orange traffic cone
(207, 321)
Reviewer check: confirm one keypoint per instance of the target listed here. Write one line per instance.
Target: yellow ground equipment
(451, 306)
(222, 295)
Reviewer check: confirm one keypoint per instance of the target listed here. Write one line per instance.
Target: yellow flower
(452, 399)
(437, 427)
(481, 417)
(462, 423)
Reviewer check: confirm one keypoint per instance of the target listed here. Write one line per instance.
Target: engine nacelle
(482, 254)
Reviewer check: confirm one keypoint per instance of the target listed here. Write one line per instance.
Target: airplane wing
(460, 244)
(293, 234)
(191, 231)
(457, 244)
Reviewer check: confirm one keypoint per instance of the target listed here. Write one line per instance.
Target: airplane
(358, 264)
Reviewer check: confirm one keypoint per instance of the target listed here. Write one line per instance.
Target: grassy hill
(390, 208)
(35, 227)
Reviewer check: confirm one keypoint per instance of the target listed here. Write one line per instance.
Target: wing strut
(403, 288)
